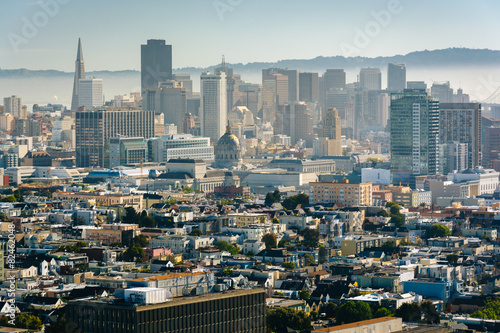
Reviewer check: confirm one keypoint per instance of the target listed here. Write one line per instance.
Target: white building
(488, 178)
(213, 105)
(63, 130)
(90, 93)
(376, 176)
(14, 106)
(175, 146)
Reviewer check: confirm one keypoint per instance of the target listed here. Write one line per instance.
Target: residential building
(350, 194)
(13, 106)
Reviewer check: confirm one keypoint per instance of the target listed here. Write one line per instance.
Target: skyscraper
(213, 105)
(95, 128)
(370, 78)
(156, 63)
(334, 78)
(274, 93)
(461, 122)
(330, 142)
(396, 77)
(414, 135)
(442, 92)
(79, 74)
(297, 121)
(293, 83)
(308, 87)
(491, 147)
(14, 106)
(90, 93)
(170, 98)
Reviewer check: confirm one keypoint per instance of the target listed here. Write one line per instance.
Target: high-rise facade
(293, 83)
(90, 93)
(95, 128)
(79, 74)
(414, 135)
(461, 122)
(442, 92)
(330, 142)
(274, 93)
(297, 121)
(370, 78)
(156, 63)
(491, 156)
(334, 78)
(213, 105)
(396, 77)
(170, 99)
(127, 150)
(308, 87)
(14, 106)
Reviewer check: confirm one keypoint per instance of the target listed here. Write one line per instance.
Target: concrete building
(376, 176)
(396, 77)
(213, 105)
(370, 79)
(14, 106)
(330, 142)
(308, 87)
(170, 99)
(355, 244)
(491, 152)
(125, 150)
(350, 194)
(488, 178)
(95, 128)
(156, 64)
(296, 165)
(176, 146)
(378, 325)
(296, 121)
(274, 93)
(90, 93)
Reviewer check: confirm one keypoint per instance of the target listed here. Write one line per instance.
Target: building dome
(228, 150)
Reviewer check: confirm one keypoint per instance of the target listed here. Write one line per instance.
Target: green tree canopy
(19, 197)
(28, 321)
(225, 246)
(196, 232)
(9, 198)
(430, 313)
(329, 309)
(452, 259)
(295, 200)
(304, 294)
(383, 312)
(131, 216)
(409, 312)
(270, 240)
(288, 264)
(395, 209)
(134, 253)
(311, 237)
(309, 260)
(146, 221)
(272, 197)
(438, 230)
(383, 213)
(491, 310)
(353, 311)
(280, 319)
(141, 240)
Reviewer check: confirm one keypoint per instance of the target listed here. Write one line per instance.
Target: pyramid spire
(79, 74)
(79, 53)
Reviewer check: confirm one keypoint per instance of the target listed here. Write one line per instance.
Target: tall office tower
(414, 135)
(308, 87)
(188, 123)
(396, 77)
(14, 106)
(274, 93)
(251, 96)
(156, 63)
(383, 106)
(62, 129)
(334, 78)
(420, 85)
(232, 84)
(461, 122)
(370, 79)
(330, 142)
(442, 92)
(293, 83)
(366, 105)
(169, 99)
(79, 74)
(95, 128)
(90, 93)
(460, 97)
(297, 121)
(187, 83)
(491, 152)
(213, 105)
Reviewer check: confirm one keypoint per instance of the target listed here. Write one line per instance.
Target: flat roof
(168, 276)
(356, 324)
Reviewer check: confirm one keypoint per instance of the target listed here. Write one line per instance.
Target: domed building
(228, 151)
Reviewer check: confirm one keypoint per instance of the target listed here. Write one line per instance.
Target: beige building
(357, 244)
(350, 194)
(113, 233)
(246, 219)
(377, 325)
(330, 142)
(103, 198)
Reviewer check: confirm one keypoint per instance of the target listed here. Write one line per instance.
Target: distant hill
(452, 57)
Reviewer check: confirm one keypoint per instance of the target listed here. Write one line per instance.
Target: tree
(9, 198)
(146, 221)
(431, 315)
(134, 253)
(311, 237)
(438, 230)
(46, 194)
(398, 220)
(383, 213)
(280, 319)
(452, 259)
(330, 309)
(270, 241)
(19, 197)
(295, 200)
(272, 197)
(395, 209)
(289, 265)
(225, 246)
(351, 312)
(140, 240)
(491, 310)
(131, 216)
(309, 260)
(409, 312)
(383, 312)
(275, 220)
(28, 321)
(63, 324)
(196, 232)
(304, 295)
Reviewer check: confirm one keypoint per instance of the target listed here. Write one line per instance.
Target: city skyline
(41, 34)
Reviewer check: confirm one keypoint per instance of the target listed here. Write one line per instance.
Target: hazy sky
(243, 30)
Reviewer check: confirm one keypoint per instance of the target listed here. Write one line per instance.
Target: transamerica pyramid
(79, 74)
